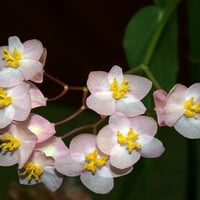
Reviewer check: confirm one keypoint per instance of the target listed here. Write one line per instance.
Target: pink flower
(39, 126)
(20, 61)
(15, 104)
(40, 169)
(116, 93)
(16, 145)
(85, 160)
(180, 108)
(126, 139)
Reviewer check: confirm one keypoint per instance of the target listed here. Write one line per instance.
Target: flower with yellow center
(4, 99)
(31, 171)
(93, 161)
(119, 90)
(11, 59)
(191, 109)
(8, 143)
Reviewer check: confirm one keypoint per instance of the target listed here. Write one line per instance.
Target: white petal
(188, 127)
(194, 91)
(96, 183)
(115, 72)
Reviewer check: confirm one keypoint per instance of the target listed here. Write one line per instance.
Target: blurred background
(82, 36)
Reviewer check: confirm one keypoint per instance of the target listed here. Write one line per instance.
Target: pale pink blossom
(84, 159)
(15, 104)
(180, 108)
(39, 126)
(20, 61)
(16, 145)
(117, 93)
(40, 169)
(125, 140)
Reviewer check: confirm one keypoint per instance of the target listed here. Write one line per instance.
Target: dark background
(80, 36)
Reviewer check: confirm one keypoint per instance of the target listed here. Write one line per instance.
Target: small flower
(116, 93)
(20, 61)
(16, 145)
(15, 104)
(180, 108)
(40, 169)
(126, 139)
(84, 159)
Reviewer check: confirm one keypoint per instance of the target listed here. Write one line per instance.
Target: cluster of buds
(29, 141)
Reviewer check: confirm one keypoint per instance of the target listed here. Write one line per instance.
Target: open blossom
(15, 104)
(16, 145)
(117, 93)
(84, 159)
(125, 140)
(40, 169)
(21, 61)
(180, 108)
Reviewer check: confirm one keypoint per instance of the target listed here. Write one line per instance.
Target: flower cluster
(26, 138)
(98, 159)
(29, 141)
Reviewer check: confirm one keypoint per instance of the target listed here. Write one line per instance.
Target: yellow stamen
(11, 59)
(93, 161)
(191, 109)
(130, 141)
(119, 91)
(8, 143)
(4, 99)
(31, 171)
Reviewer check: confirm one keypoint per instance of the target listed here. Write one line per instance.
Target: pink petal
(115, 72)
(96, 183)
(6, 116)
(121, 158)
(140, 86)
(152, 149)
(14, 42)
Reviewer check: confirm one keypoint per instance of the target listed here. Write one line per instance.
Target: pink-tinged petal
(51, 178)
(97, 82)
(194, 91)
(38, 78)
(121, 158)
(177, 95)
(21, 101)
(115, 72)
(120, 172)
(152, 149)
(67, 166)
(129, 108)
(173, 112)
(105, 171)
(97, 183)
(53, 147)
(118, 122)
(83, 144)
(10, 77)
(30, 68)
(14, 42)
(101, 106)
(188, 127)
(37, 97)
(6, 116)
(144, 139)
(106, 140)
(144, 125)
(33, 49)
(160, 98)
(40, 126)
(140, 86)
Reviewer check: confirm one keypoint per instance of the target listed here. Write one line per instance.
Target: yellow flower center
(121, 90)
(11, 59)
(4, 99)
(93, 161)
(31, 171)
(8, 143)
(130, 141)
(191, 109)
